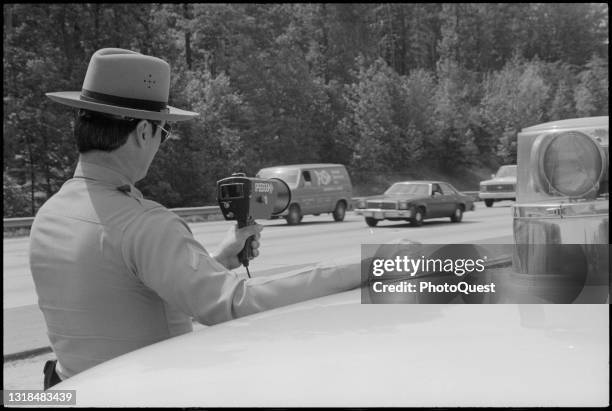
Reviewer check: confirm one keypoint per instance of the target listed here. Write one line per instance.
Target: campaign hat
(125, 83)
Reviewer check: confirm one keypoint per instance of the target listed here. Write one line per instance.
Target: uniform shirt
(115, 272)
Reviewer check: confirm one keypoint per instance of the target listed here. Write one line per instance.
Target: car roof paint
(334, 351)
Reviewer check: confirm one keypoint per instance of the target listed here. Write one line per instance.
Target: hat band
(148, 105)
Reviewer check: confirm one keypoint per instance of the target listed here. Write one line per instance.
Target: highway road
(317, 238)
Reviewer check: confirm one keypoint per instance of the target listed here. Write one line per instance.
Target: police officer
(114, 271)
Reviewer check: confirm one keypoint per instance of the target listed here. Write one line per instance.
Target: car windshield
(408, 188)
(288, 176)
(506, 171)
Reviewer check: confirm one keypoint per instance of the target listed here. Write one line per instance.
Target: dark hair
(98, 131)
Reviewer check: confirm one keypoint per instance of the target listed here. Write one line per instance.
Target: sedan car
(415, 201)
(502, 186)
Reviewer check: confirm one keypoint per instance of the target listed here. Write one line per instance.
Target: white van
(315, 189)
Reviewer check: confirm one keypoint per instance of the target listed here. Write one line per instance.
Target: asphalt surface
(318, 238)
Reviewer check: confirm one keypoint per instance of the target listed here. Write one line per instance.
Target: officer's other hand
(233, 243)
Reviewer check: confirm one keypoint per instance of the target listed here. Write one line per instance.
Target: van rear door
(328, 190)
(308, 189)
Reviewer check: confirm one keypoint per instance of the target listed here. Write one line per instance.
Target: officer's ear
(143, 131)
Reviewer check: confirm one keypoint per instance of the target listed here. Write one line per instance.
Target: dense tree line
(378, 87)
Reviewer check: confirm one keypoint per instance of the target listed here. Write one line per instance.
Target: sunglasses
(165, 132)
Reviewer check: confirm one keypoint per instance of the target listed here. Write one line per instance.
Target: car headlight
(483, 187)
(569, 164)
(361, 204)
(403, 205)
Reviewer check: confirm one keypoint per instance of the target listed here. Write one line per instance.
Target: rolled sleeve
(162, 252)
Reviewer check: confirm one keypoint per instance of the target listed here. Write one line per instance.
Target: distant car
(502, 186)
(315, 189)
(415, 201)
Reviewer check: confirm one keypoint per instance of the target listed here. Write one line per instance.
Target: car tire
(339, 211)
(489, 202)
(371, 221)
(457, 215)
(417, 220)
(295, 215)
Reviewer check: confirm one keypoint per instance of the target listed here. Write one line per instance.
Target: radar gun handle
(246, 253)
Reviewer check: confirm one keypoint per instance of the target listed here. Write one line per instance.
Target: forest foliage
(382, 88)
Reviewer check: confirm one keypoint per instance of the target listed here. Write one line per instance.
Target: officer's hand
(232, 245)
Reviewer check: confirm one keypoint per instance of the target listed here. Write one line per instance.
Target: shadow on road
(425, 224)
(496, 205)
(272, 223)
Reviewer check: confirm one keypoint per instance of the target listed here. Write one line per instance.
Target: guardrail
(206, 211)
(24, 222)
(185, 212)
(473, 194)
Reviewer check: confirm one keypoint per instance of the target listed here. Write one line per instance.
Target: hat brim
(73, 99)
